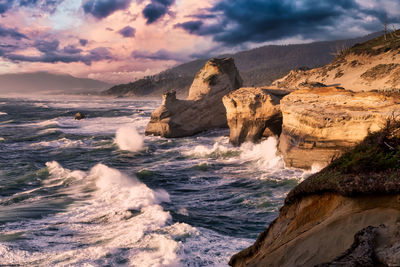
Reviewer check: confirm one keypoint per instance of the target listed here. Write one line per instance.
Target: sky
(118, 41)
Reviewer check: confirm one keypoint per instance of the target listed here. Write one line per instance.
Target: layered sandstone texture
(348, 214)
(319, 124)
(373, 65)
(203, 109)
(325, 229)
(253, 112)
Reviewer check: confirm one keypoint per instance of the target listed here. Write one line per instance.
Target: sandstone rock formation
(203, 109)
(253, 112)
(320, 123)
(364, 67)
(346, 215)
(320, 229)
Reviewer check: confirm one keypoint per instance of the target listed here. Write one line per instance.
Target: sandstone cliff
(373, 65)
(346, 215)
(203, 109)
(320, 123)
(253, 112)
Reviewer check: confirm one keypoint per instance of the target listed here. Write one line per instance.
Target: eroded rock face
(203, 108)
(320, 123)
(253, 112)
(329, 230)
(356, 72)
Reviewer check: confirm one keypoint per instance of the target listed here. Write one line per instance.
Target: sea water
(97, 192)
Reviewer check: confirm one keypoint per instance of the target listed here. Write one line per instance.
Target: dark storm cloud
(68, 54)
(127, 32)
(156, 10)
(240, 21)
(103, 8)
(83, 42)
(5, 5)
(12, 33)
(71, 49)
(46, 46)
(43, 5)
(159, 55)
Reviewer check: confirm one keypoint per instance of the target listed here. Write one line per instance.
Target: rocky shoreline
(349, 213)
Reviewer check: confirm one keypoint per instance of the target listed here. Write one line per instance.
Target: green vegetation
(377, 45)
(379, 71)
(378, 152)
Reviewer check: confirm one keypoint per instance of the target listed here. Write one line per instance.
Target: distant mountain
(260, 66)
(44, 82)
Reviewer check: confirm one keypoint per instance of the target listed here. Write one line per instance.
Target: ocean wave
(60, 143)
(264, 153)
(3, 113)
(121, 222)
(127, 138)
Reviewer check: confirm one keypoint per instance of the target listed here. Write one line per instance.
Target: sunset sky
(119, 40)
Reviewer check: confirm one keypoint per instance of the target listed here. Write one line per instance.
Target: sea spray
(127, 138)
(264, 153)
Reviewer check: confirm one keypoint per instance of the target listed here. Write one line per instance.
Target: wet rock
(203, 109)
(79, 116)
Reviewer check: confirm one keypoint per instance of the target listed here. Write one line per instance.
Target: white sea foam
(127, 138)
(264, 153)
(41, 105)
(3, 113)
(60, 143)
(121, 223)
(315, 167)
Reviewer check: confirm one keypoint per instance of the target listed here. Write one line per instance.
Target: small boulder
(79, 116)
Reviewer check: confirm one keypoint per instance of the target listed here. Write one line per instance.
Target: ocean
(97, 192)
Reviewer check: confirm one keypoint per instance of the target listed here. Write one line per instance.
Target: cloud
(193, 26)
(65, 55)
(160, 55)
(71, 49)
(83, 42)
(46, 46)
(103, 8)
(13, 33)
(240, 21)
(5, 5)
(156, 10)
(127, 32)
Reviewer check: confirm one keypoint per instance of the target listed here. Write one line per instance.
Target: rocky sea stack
(346, 215)
(203, 108)
(252, 113)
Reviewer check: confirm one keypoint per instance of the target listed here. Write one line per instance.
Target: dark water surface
(70, 196)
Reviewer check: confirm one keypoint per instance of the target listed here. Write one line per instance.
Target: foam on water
(60, 143)
(315, 167)
(122, 222)
(264, 154)
(3, 113)
(127, 138)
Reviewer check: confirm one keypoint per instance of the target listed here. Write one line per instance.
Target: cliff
(367, 66)
(346, 215)
(203, 109)
(321, 123)
(253, 112)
